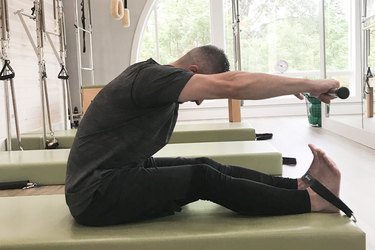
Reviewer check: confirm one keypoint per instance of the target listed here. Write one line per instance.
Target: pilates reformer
(7, 74)
(38, 15)
(44, 222)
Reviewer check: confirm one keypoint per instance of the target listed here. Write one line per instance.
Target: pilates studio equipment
(63, 74)
(38, 15)
(183, 133)
(342, 92)
(7, 74)
(44, 222)
(48, 167)
(81, 26)
(120, 11)
(369, 94)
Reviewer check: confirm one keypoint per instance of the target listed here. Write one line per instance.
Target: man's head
(206, 59)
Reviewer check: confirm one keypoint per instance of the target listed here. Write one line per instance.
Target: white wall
(112, 43)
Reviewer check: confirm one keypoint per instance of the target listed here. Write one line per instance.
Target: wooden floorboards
(41, 190)
(291, 135)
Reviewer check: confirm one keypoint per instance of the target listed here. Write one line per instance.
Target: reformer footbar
(321, 190)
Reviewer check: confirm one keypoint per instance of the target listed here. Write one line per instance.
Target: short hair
(210, 59)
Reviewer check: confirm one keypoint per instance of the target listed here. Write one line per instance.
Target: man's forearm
(261, 86)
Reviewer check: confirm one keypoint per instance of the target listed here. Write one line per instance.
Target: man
(112, 177)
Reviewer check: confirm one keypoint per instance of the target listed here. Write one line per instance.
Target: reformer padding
(183, 133)
(210, 132)
(34, 141)
(43, 222)
(45, 167)
(49, 166)
(257, 155)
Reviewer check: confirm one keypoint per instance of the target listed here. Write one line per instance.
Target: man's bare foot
(318, 204)
(324, 170)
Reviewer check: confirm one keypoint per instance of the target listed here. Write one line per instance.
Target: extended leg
(140, 193)
(234, 171)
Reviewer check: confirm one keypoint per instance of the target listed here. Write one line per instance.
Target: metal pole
(7, 111)
(6, 90)
(9, 73)
(236, 35)
(67, 97)
(41, 63)
(78, 42)
(323, 68)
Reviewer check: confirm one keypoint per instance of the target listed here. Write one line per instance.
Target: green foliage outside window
(271, 30)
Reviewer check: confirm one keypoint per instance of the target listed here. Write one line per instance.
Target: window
(279, 30)
(274, 33)
(174, 27)
(286, 30)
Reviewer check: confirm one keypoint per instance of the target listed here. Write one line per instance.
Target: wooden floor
(291, 136)
(355, 161)
(42, 190)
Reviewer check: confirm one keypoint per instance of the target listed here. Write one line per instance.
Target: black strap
(264, 136)
(44, 71)
(6, 66)
(83, 19)
(289, 161)
(33, 10)
(321, 190)
(16, 185)
(63, 74)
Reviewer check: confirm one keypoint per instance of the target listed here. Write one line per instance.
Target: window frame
(218, 39)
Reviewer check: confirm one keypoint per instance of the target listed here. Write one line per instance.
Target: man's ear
(193, 68)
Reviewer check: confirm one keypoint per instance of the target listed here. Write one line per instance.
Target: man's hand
(323, 87)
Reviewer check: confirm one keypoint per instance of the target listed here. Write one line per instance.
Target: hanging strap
(33, 10)
(83, 19)
(63, 74)
(368, 76)
(3, 75)
(44, 72)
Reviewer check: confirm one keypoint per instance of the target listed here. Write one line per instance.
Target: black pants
(162, 186)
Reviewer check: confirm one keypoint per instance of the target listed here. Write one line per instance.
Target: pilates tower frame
(38, 49)
(8, 77)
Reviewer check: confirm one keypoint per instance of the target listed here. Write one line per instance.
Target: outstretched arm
(253, 86)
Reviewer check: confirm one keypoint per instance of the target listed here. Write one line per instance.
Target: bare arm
(254, 86)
